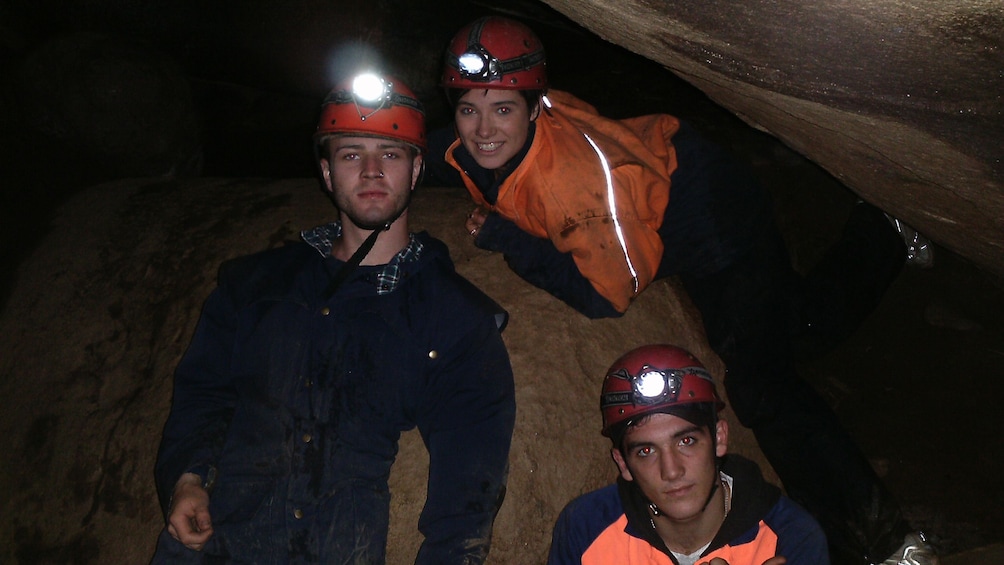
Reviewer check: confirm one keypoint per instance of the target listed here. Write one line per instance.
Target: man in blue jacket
(310, 360)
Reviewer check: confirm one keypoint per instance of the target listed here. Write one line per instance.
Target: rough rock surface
(102, 311)
(899, 99)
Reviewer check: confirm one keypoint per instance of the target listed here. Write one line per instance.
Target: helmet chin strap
(353, 262)
(348, 266)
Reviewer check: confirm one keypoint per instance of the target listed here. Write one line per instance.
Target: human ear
(416, 170)
(535, 111)
(721, 438)
(618, 458)
(326, 173)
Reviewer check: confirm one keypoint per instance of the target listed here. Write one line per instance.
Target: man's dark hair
(704, 415)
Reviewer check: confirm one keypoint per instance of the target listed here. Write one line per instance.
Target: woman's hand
(475, 220)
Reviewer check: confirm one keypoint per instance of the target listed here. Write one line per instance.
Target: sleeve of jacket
(800, 539)
(582, 524)
(601, 189)
(467, 428)
(203, 401)
(570, 538)
(538, 261)
(613, 248)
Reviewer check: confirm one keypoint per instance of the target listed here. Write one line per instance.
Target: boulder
(102, 311)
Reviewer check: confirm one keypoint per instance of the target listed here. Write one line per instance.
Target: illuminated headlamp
(373, 92)
(651, 386)
(369, 88)
(479, 65)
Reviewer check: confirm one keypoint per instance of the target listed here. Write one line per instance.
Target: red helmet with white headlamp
(495, 52)
(373, 105)
(655, 379)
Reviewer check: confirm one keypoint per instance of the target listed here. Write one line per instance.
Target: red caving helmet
(373, 105)
(654, 379)
(495, 52)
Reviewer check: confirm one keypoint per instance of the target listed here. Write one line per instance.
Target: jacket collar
(488, 181)
(753, 497)
(389, 276)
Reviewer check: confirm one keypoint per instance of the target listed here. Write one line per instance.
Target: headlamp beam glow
(653, 385)
(650, 384)
(372, 92)
(370, 88)
(474, 65)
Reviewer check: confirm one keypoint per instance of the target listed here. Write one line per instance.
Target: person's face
(370, 178)
(673, 462)
(493, 124)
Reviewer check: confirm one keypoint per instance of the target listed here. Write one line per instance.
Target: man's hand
(189, 521)
(779, 560)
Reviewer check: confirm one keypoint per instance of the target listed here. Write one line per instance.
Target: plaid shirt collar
(322, 237)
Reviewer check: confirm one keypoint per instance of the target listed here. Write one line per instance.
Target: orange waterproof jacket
(597, 188)
(612, 525)
(614, 546)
